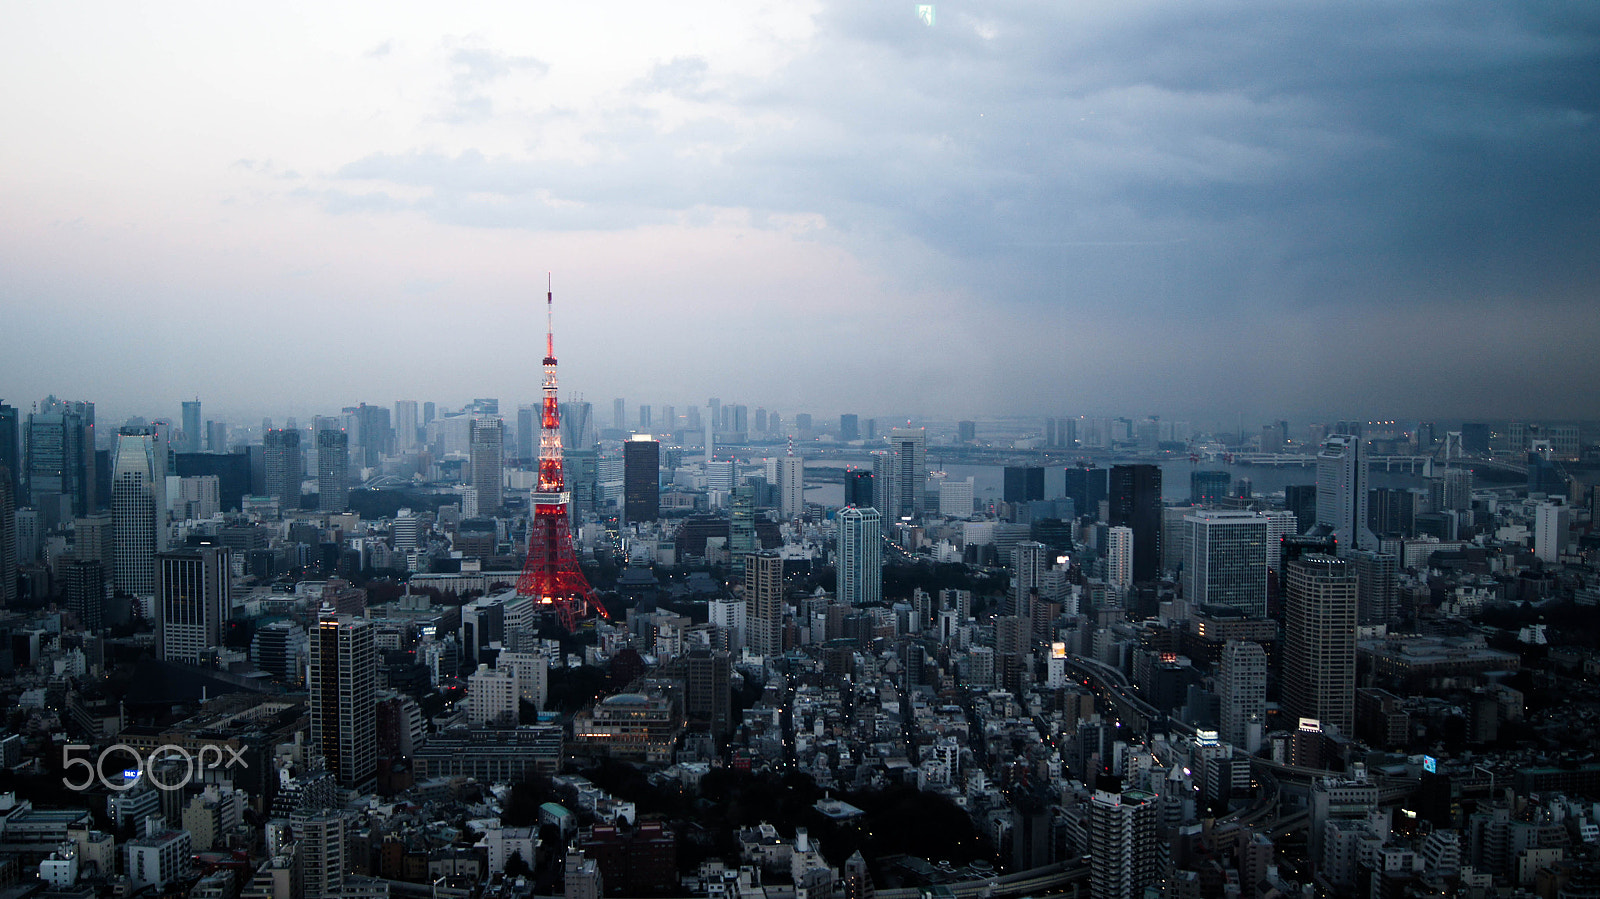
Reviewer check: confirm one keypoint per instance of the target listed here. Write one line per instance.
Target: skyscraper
(883, 492)
(488, 449)
(742, 524)
(11, 449)
(1342, 492)
(910, 447)
(1023, 483)
(791, 485)
(528, 433)
(8, 540)
(860, 535)
(1376, 579)
(849, 425)
(191, 426)
(1086, 487)
(1319, 636)
(1027, 570)
(138, 512)
(193, 603)
(1206, 487)
(577, 425)
(1127, 852)
(619, 414)
(61, 482)
(1227, 560)
(1242, 688)
(373, 433)
(858, 488)
(1119, 557)
(763, 576)
(641, 479)
(343, 687)
(405, 425)
(285, 468)
(333, 470)
(1135, 493)
(86, 592)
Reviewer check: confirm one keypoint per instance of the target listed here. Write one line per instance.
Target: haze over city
(1295, 209)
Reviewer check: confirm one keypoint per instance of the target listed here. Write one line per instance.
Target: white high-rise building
(1227, 560)
(138, 511)
(1126, 849)
(720, 476)
(1119, 557)
(791, 485)
(532, 673)
(1242, 688)
(1342, 492)
(729, 614)
(955, 498)
(860, 534)
(492, 696)
(1551, 521)
(343, 688)
(405, 425)
(1281, 523)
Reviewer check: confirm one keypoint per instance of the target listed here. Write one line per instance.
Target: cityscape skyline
(1295, 210)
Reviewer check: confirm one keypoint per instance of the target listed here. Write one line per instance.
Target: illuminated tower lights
(551, 574)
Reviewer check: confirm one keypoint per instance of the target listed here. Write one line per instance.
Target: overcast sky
(1194, 209)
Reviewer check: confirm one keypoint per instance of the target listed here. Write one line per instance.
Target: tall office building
(1207, 487)
(1119, 557)
(488, 453)
(528, 433)
(194, 600)
(883, 492)
(1342, 492)
(1127, 851)
(858, 488)
(1227, 560)
(646, 420)
(619, 414)
(1281, 523)
(1022, 483)
(1086, 487)
(192, 433)
(1319, 641)
(333, 470)
(373, 433)
(860, 536)
(791, 485)
(405, 425)
(763, 577)
(1135, 494)
(343, 692)
(641, 479)
(216, 436)
(285, 468)
(1377, 576)
(8, 540)
(849, 425)
(910, 446)
(11, 449)
(1242, 689)
(577, 426)
(86, 592)
(138, 511)
(61, 468)
(742, 524)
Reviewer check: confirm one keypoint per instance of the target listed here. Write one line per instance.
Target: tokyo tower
(551, 574)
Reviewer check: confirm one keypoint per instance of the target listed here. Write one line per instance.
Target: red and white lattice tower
(551, 574)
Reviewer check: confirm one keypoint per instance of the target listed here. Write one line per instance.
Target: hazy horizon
(1297, 210)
